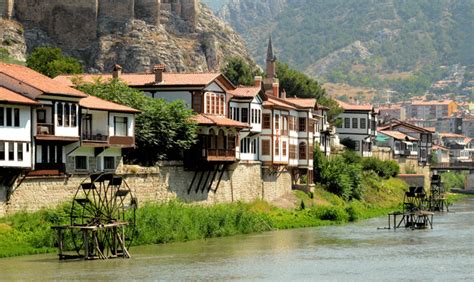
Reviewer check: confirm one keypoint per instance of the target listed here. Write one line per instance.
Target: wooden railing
(95, 137)
(45, 129)
(221, 153)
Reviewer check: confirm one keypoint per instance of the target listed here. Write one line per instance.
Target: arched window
(221, 140)
(302, 151)
(211, 140)
(231, 141)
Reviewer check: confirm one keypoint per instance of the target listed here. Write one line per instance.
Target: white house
(356, 127)
(402, 145)
(15, 129)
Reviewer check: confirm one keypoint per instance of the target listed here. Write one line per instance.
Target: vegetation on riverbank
(30, 233)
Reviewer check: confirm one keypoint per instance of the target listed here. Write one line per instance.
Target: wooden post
(86, 244)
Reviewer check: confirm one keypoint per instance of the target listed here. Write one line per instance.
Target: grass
(30, 233)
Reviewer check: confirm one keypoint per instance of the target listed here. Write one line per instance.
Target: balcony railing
(95, 137)
(220, 154)
(45, 129)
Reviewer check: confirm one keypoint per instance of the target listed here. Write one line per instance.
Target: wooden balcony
(100, 140)
(219, 155)
(45, 129)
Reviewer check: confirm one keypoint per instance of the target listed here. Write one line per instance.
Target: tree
(51, 62)
(240, 72)
(162, 131)
(297, 84)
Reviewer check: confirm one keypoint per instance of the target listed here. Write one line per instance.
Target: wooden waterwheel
(103, 217)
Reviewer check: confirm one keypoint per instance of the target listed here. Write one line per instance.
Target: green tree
(162, 131)
(51, 62)
(240, 72)
(297, 84)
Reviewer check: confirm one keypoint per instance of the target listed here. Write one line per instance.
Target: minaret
(271, 76)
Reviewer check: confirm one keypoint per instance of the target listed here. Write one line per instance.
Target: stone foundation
(244, 182)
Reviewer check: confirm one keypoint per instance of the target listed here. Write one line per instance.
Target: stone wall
(240, 182)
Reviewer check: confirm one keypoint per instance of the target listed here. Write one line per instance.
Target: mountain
(360, 42)
(135, 44)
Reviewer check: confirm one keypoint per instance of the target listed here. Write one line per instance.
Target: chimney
(258, 81)
(276, 89)
(283, 94)
(117, 71)
(158, 71)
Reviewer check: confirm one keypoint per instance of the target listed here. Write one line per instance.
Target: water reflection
(353, 252)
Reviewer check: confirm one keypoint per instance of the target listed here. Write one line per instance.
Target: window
(16, 117)
(2, 151)
(266, 121)
(277, 147)
(355, 123)
(197, 103)
(292, 151)
(363, 123)
(284, 148)
(109, 163)
(11, 151)
(81, 162)
(60, 114)
(120, 126)
(357, 146)
(9, 116)
(277, 122)
(73, 115)
(41, 116)
(285, 124)
(20, 152)
(259, 120)
(222, 108)
(347, 123)
(231, 141)
(44, 154)
(265, 147)
(2, 116)
(291, 124)
(208, 104)
(245, 115)
(214, 104)
(67, 113)
(302, 124)
(302, 151)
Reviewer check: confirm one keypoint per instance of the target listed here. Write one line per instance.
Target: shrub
(334, 213)
(385, 169)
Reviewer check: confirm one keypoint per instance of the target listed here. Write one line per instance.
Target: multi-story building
(391, 111)
(357, 127)
(401, 145)
(423, 135)
(243, 124)
(460, 146)
(15, 129)
(323, 131)
(430, 109)
(53, 125)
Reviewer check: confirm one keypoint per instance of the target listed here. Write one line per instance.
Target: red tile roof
(142, 79)
(95, 103)
(302, 102)
(9, 97)
(351, 107)
(397, 135)
(279, 103)
(204, 119)
(36, 80)
(431, 103)
(245, 92)
(439, 147)
(451, 135)
(395, 123)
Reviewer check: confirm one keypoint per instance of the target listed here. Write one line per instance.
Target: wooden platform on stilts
(412, 220)
(92, 245)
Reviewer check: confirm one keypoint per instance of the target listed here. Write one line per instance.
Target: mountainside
(356, 41)
(138, 45)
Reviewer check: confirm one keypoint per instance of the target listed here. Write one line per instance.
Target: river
(351, 252)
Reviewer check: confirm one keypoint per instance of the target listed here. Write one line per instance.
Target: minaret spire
(271, 62)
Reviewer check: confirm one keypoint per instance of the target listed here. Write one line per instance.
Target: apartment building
(357, 127)
(418, 109)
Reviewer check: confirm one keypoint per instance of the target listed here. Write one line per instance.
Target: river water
(352, 252)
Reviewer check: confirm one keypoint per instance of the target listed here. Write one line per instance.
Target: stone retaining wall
(240, 182)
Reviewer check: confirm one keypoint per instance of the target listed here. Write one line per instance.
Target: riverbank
(23, 233)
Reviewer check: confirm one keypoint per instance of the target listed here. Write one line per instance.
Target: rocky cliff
(138, 45)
